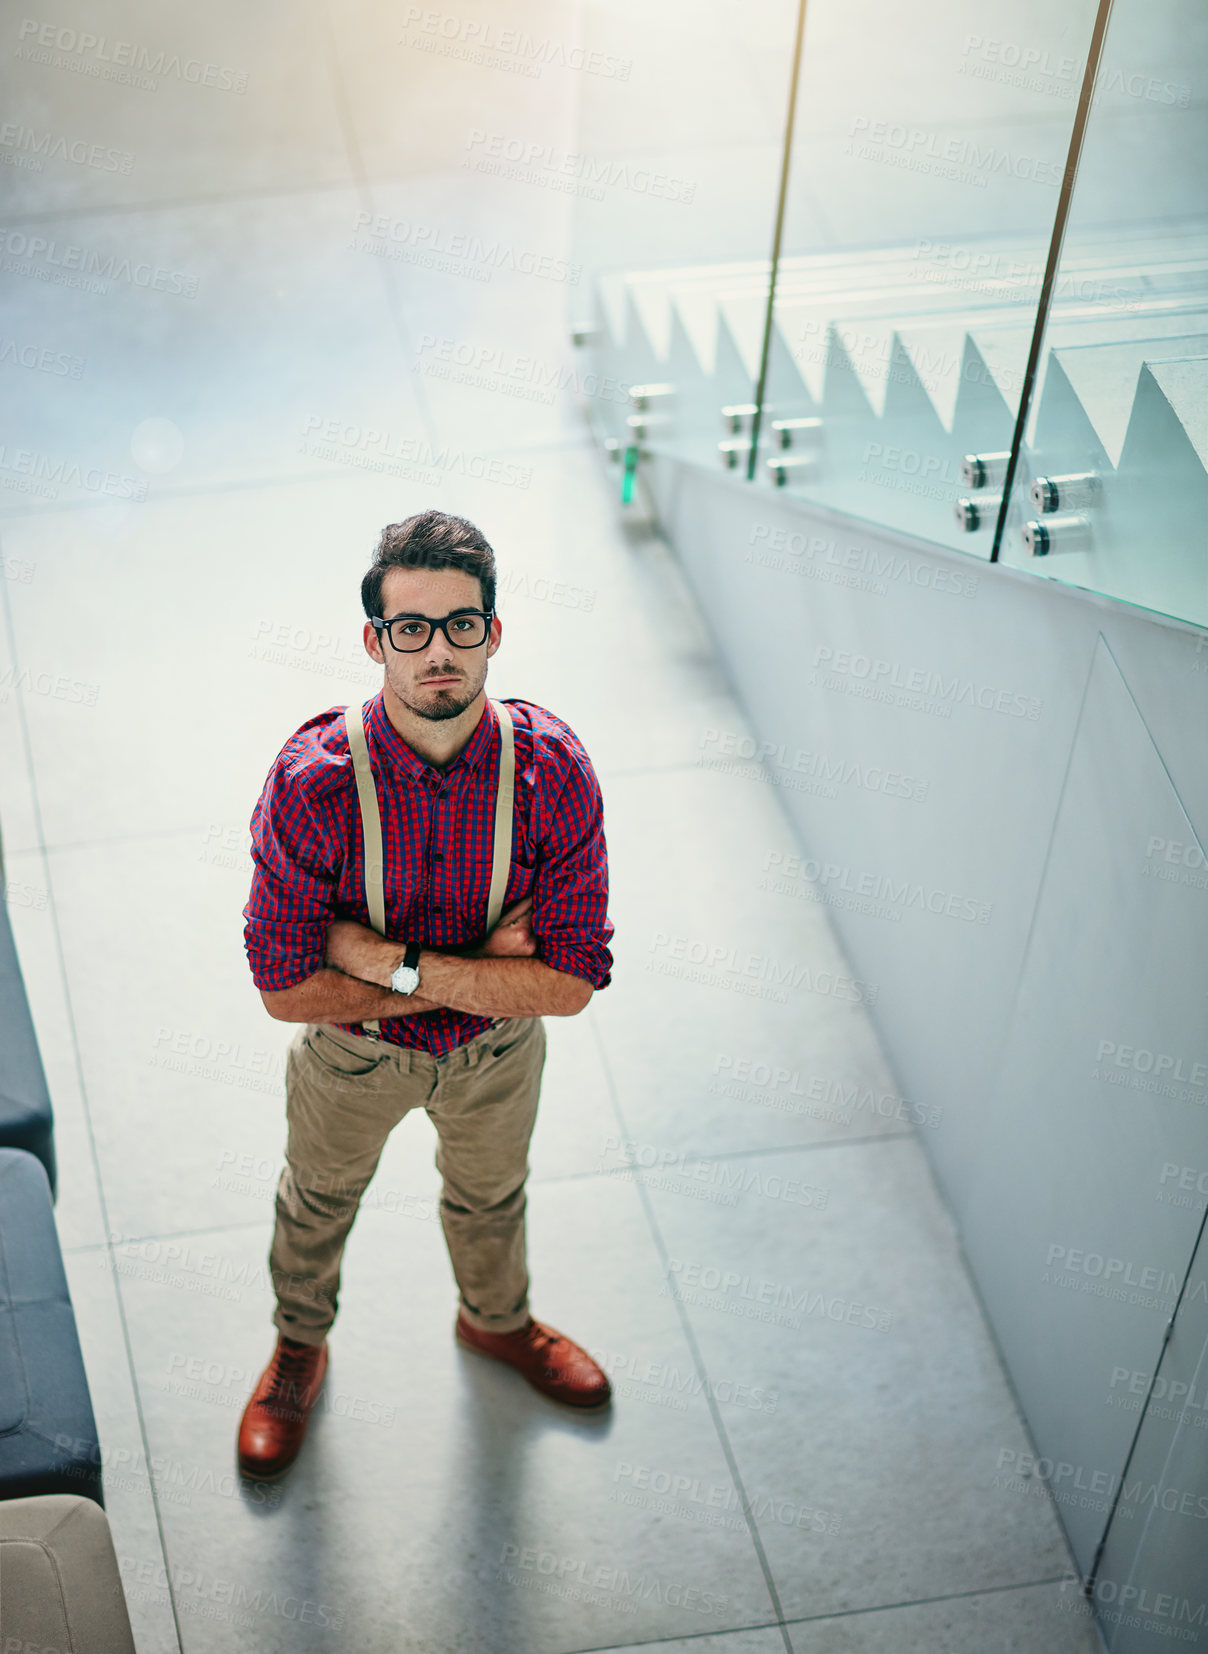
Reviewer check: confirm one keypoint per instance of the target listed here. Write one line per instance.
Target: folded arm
(332, 996)
(500, 979)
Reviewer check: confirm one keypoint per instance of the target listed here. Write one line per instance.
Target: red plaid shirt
(436, 840)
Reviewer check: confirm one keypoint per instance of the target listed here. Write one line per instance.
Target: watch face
(405, 980)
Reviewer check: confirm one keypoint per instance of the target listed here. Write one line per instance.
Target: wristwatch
(406, 978)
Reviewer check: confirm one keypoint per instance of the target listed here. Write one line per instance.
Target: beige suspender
(371, 818)
(501, 861)
(371, 822)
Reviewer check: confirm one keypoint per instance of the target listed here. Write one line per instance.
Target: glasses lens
(467, 631)
(410, 634)
(463, 632)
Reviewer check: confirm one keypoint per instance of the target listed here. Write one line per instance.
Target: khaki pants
(345, 1093)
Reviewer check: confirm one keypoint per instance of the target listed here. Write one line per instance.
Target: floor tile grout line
(152, 834)
(393, 290)
(944, 1596)
(686, 1327)
(692, 766)
(392, 295)
(128, 209)
(283, 479)
(814, 1619)
(160, 833)
(69, 214)
(706, 1158)
(73, 1033)
(167, 1235)
(534, 1182)
(121, 840)
(189, 491)
(677, 1637)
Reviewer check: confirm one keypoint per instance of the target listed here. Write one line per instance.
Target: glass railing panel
(923, 187)
(1111, 491)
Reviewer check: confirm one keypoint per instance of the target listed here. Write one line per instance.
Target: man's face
(439, 681)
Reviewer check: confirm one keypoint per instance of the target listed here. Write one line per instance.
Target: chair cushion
(59, 1582)
(48, 1439)
(26, 1121)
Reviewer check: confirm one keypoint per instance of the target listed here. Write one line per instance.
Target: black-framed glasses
(467, 629)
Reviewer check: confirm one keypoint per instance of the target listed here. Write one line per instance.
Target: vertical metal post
(1044, 303)
(761, 385)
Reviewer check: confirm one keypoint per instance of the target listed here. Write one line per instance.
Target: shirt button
(438, 855)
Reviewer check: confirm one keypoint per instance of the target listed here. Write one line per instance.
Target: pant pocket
(512, 1033)
(348, 1062)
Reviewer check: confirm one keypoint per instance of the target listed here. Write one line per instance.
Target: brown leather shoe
(273, 1425)
(548, 1359)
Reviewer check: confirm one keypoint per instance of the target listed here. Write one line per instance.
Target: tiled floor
(728, 1204)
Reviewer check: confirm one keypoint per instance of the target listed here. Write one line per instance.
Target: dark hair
(429, 540)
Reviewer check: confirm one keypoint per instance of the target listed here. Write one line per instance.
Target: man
(399, 798)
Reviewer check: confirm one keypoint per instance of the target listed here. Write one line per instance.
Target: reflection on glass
(924, 183)
(1111, 492)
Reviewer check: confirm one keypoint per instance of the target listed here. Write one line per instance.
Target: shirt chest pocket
(465, 882)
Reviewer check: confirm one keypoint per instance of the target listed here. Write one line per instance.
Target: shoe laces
(289, 1368)
(541, 1339)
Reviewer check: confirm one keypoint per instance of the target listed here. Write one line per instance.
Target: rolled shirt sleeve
(294, 883)
(570, 921)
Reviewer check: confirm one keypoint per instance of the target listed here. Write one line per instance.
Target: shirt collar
(388, 740)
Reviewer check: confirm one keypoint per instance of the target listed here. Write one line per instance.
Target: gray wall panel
(1032, 1151)
(1076, 1244)
(990, 779)
(1151, 1591)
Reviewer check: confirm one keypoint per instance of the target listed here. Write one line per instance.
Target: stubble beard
(437, 707)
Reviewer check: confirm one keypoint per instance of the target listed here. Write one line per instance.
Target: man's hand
(518, 984)
(512, 937)
(359, 951)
